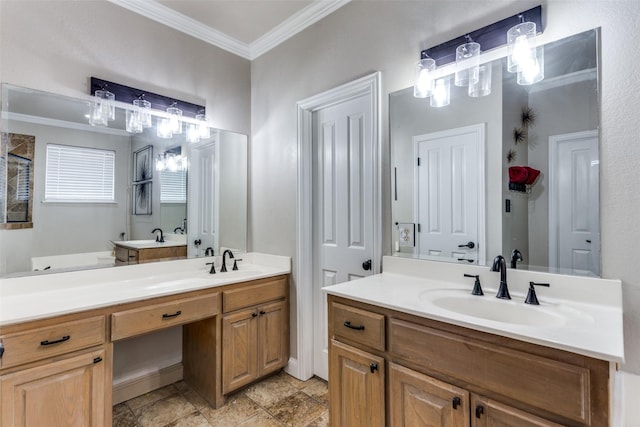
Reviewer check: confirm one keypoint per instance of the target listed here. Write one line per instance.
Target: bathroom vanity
(140, 251)
(417, 348)
(57, 333)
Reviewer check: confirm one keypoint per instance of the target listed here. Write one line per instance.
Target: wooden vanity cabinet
(445, 375)
(255, 332)
(56, 373)
(128, 256)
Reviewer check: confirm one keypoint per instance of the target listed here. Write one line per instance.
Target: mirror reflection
(98, 193)
(513, 173)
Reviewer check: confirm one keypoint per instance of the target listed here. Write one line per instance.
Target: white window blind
(79, 174)
(23, 167)
(173, 186)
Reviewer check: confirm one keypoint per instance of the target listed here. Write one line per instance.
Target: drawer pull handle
(456, 402)
(1, 349)
(97, 360)
(63, 339)
(373, 367)
(254, 314)
(262, 312)
(168, 316)
(479, 411)
(350, 326)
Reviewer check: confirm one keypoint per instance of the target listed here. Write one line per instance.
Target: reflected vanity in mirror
(192, 197)
(458, 189)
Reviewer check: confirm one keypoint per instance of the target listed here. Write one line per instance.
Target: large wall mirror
(195, 192)
(514, 173)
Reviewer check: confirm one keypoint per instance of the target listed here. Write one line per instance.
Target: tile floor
(280, 400)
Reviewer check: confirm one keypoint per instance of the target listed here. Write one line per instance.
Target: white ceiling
(247, 28)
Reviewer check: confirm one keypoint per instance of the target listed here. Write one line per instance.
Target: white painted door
(449, 194)
(203, 198)
(343, 205)
(574, 204)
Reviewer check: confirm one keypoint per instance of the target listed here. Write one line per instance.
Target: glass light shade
(107, 105)
(160, 162)
(192, 133)
(441, 96)
(97, 116)
(163, 128)
(467, 62)
(132, 123)
(204, 131)
(520, 45)
(423, 80)
(483, 86)
(532, 70)
(175, 117)
(144, 113)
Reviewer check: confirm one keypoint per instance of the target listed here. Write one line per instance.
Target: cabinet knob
(373, 367)
(456, 402)
(254, 314)
(262, 312)
(479, 411)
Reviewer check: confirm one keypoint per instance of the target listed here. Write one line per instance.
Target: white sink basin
(513, 311)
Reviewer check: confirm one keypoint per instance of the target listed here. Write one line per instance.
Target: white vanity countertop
(577, 314)
(148, 244)
(41, 296)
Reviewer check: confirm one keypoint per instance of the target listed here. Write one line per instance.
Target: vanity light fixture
(133, 124)
(163, 128)
(104, 108)
(144, 111)
(521, 29)
(467, 63)
(441, 96)
(423, 78)
(175, 119)
(204, 132)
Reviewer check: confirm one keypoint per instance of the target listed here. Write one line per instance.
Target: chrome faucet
(209, 251)
(500, 265)
(223, 269)
(516, 256)
(159, 238)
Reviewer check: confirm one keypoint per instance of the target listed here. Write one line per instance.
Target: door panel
(449, 193)
(343, 205)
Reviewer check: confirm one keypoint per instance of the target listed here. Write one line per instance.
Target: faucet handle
(235, 263)
(213, 267)
(531, 295)
(477, 289)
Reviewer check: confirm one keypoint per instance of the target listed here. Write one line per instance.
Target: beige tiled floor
(280, 400)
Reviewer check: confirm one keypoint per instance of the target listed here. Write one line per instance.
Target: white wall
(365, 36)
(57, 45)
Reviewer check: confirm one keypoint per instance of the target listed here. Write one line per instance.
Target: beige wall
(365, 36)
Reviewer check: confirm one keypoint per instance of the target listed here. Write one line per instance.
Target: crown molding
(169, 17)
(304, 18)
(293, 25)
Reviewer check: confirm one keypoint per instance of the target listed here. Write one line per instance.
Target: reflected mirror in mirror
(513, 173)
(189, 204)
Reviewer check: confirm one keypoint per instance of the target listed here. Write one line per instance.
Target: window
(79, 174)
(173, 186)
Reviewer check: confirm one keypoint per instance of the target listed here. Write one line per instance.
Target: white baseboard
(147, 382)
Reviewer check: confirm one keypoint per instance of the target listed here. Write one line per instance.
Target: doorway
(339, 206)
(574, 228)
(449, 194)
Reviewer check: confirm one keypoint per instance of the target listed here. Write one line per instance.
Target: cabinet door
(239, 349)
(419, 400)
(69, 392)
(356, 387)
(489, 413)
(273, 337)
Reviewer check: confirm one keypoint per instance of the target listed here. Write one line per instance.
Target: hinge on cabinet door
(418, 161)
(97, 359)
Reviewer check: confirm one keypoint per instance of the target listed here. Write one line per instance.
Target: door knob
(469, 245)
(366, 265)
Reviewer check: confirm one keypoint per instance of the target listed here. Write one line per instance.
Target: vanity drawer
(251, 295)
(361, 326)
(42, 343)
(140, 320)
(548, 384)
